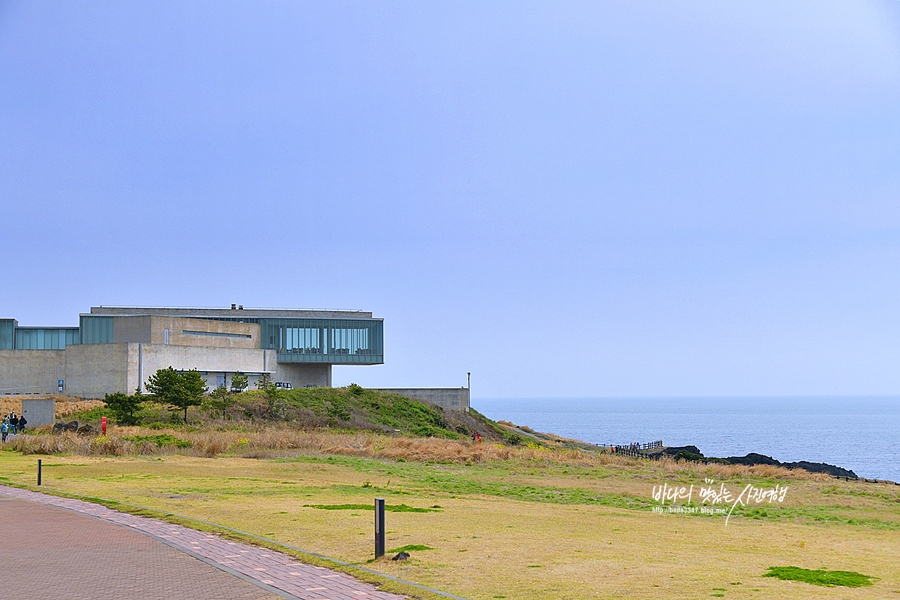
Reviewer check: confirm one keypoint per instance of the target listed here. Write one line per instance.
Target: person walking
(22, 423)
(4, 429)
(14, 424)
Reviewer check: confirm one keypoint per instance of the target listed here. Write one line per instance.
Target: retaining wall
(39, 412)
(456, 399)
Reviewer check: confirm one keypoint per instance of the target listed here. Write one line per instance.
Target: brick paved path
(64, 554)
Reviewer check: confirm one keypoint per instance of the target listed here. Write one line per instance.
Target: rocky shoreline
(689, 453)
(693, 453)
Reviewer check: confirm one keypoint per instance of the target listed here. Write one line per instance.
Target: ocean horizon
(860, 433)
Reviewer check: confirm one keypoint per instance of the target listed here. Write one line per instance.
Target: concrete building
(116, 349)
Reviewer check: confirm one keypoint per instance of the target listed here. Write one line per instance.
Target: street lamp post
(469, 388)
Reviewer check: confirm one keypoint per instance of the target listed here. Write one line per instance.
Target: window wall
(34, 338)
(96, 330)
(350, 341)
(7, 334)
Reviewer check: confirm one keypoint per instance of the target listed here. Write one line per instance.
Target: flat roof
(258, 313)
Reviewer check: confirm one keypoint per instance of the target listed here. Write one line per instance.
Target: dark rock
(693, 453)
(676, 449)
(682, 452)
(85, 429)
(753, 459)
(761, 459)
(61, 427)
(401, 556)
(821, 468)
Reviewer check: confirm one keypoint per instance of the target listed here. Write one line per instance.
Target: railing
(635, 449)
(358, 310)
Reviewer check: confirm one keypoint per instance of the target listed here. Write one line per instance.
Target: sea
(860, 433)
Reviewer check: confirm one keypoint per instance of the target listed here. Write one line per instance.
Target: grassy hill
(351, 408)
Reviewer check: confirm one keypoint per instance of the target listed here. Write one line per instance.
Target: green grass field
(498, 523)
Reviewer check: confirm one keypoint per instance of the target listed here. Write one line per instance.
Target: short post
(379, 527)
(103, 425)
(39, 471)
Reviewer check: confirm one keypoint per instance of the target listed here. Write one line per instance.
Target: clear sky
(564, 198)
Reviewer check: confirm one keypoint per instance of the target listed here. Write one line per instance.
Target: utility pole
(469, 388)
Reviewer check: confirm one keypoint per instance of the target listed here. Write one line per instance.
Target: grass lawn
(523, 528)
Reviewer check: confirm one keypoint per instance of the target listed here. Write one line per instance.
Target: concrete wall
(94, 370)
(31, 371)
(146, 329)
(246, 360)
(131, 329)
(302, 375)
(177, 337)
(456, 399)
(148, 358)
(39, 412)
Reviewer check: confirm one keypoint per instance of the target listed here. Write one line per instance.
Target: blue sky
(566, 199)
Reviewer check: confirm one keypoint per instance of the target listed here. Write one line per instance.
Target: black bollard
(379, 527)
(39, 471)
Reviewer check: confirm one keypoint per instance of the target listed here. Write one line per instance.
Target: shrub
(181, 389)
(123, 407)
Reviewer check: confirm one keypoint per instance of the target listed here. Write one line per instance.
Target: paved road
(62, 548)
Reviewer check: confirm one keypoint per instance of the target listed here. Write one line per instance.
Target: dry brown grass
(281, 441)
(68, 407)
(70, 443)
(65, 405)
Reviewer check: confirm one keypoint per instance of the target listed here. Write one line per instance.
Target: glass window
(96, 330)
(7, 334)
(33, 338)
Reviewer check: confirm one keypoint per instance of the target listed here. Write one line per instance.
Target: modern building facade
(116, 349)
